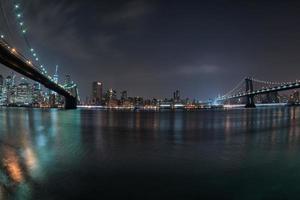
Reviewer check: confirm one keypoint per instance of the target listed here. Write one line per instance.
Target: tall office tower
(8, 82)
(111, 98)
(176, 96)
(111, 94)
(23, 93)
(55, 76)
(10, 90)
(97, 89)
(36, 94)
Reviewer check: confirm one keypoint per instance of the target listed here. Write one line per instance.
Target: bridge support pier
(250, 98)
(70, 103)
(250, 102)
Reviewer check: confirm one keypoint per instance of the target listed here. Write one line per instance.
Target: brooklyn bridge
(29, 66)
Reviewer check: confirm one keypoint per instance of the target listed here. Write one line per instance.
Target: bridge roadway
(17, 62)
(288, 86)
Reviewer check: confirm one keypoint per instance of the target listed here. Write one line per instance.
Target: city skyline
(164, 46)
(149, 99)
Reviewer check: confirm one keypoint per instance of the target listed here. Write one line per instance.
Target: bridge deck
(288, 86)
(17, 62)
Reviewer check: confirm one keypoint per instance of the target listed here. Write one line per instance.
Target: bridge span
(14, 60)
(249, 91)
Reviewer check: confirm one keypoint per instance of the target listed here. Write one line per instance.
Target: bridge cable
(235, 88)
(21, 25)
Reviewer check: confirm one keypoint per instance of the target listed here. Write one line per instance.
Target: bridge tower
(249, 98)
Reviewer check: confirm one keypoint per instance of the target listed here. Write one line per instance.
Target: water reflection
(12, 166)
(29, 143)
(44, 152)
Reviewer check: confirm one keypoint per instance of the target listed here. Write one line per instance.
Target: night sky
(152, 48)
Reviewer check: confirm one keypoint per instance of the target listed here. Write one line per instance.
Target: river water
(92, 154)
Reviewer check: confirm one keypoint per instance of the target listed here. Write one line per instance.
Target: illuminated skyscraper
(55, 77)
(23, 94)
(37, 98)
(10, 89)
(97, 88)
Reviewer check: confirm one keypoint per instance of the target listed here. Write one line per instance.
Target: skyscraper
(36, 94)
(10, 89)
(176, 96)
(23, 94)
(97, 88)
(55, 77)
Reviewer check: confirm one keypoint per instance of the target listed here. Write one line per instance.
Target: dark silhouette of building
(176, 96)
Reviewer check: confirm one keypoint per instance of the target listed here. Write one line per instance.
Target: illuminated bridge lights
(23, 29)
(278, 87)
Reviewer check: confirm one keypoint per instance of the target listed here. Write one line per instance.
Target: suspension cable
(236, 87)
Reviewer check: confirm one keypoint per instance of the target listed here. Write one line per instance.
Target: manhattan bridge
(250, 87)
(13, 27)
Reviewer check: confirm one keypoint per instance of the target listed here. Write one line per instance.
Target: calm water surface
(89, 154)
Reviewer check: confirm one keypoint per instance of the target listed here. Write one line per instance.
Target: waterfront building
(37, 98)
(52, 101)
(124, 96)
(111, 98)
(10, 89)
(176, 96)
(97, 90)
(2, 90)
(272, 97)
(110, 94)
(294, 97)
(138, 101)
(23, 94)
